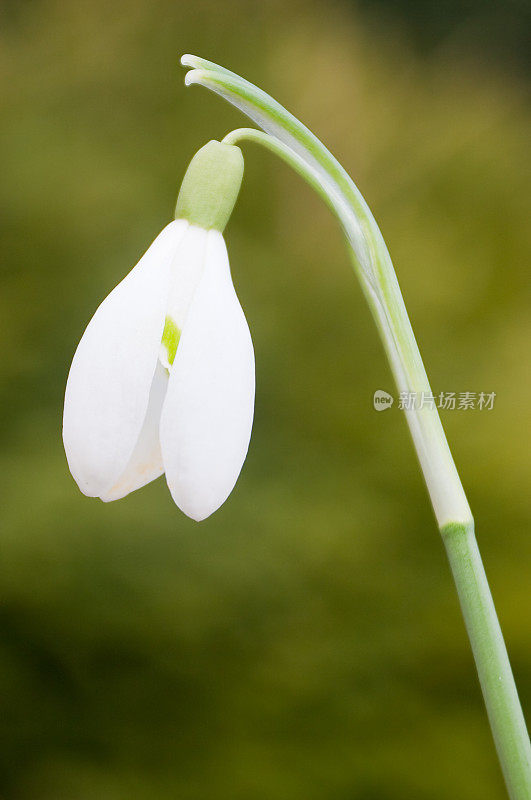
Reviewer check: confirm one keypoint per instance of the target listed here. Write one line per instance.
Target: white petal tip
(197, 517)
(197, 511)
(196, 500)
(108, 499)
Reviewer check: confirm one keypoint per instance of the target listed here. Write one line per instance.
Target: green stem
(492, 662)
(288, 138)
(494, 670)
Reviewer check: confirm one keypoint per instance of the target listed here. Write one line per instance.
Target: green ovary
(170, 338)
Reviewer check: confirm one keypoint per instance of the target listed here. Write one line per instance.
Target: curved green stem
(373, 265)
(289, 139)
(291, 158)
(494, 670)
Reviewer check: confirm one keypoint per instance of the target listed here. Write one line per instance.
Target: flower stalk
(295, 144)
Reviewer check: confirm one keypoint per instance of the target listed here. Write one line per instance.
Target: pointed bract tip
(194, 76)
(188, 60)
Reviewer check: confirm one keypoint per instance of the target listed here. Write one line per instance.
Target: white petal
(145, 463)
(110, 378)
(208, 412)
(186, 272)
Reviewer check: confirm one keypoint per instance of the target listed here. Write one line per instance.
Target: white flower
(163, 378)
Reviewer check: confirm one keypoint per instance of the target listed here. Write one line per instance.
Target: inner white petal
(145, 463)
(186, 271)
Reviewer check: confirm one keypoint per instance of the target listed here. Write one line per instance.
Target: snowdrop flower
(163, 378)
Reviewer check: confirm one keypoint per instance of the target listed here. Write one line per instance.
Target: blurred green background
(305, 642)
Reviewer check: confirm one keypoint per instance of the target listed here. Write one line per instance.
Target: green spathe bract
(210, 186)
(296, 144)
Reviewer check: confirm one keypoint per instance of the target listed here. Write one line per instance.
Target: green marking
(170, 338)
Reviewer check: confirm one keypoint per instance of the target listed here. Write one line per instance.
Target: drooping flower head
(163, 378)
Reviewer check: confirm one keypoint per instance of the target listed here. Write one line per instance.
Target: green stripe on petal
(170, 338)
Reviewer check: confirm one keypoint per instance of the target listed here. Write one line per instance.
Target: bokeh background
(305, 642)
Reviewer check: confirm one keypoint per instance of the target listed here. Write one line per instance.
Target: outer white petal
(208, 412)
(109, 383)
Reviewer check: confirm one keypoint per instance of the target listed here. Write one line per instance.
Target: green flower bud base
(210, 186)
